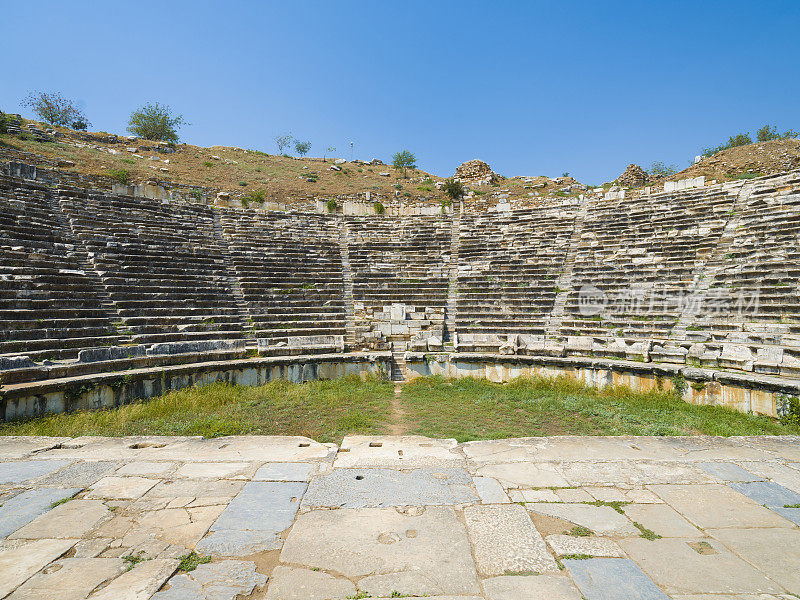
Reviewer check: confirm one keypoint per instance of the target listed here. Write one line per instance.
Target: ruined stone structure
(107, 297)
(634, 176)
(475, 172)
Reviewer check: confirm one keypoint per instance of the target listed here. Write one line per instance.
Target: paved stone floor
(288, 518)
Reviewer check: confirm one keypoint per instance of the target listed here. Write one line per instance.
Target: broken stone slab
(214, 470)
(530, 587)
(564, 545)
(26, 506)
(603, 520)
(81, 474)
(224, 580)
(25, 470)
(16, 362)
(612, 579)
(121, 488)
(21, 560)
(284, 472)
(538, 475)
(490, 491)
(430, 545)
(504, 540)
(70, 579)
(363, 488)
(140, 583)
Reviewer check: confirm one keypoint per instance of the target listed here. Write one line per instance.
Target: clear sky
(533, 88)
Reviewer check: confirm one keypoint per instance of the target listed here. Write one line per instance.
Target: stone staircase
(564, 281)
(347, 286)
(452, 287)
(233, 281)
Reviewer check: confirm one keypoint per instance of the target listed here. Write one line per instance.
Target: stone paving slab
(26, 506)
(24, 470)
(504, 540)
(612, 579)
(363, 488)
(428, 518)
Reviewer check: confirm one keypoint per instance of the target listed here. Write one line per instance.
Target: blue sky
(533, 88)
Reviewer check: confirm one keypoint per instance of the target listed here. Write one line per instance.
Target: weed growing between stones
(191, 561)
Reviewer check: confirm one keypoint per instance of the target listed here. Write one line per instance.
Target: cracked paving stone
(69, 520)
(224, 580)
(291, 583)
(603, 520)
(70, 579)
(530, 587)
(140, 583)
(284, 472)
(728, 471)
(427, 548)
(591, 546)
(767, 493)
(81, 474)
(20, 560)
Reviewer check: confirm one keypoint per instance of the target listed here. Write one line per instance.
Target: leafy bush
(740, 139)
(404, 160)
(454, 189)
(122, 176)
(80, 125)
(155, 122)
(332, 206)
(379, 208)
(302, 148)
(53, 108)
(659, 169)
(257, 196)
(3, 121)
(767, 134)
(789, 409)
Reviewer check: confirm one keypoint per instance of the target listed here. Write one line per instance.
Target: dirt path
(398, 424)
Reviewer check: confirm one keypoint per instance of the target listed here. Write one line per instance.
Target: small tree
(155, 122)
(330, 150)
(767, 133)
(454, 189)
(283, 142)
(658, 169)
(302, 148)
(53, 108)
(404, 160)
(740, 139)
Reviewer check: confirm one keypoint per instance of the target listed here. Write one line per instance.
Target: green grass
(322, 410)
(471, 409)
(466, 409)
(189, 562)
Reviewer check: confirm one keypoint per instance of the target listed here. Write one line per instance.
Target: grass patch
(646, 533)
(60, 502)
(465, 409)
(472, 409)
(323, 410)
(579, 531)
(189, 562)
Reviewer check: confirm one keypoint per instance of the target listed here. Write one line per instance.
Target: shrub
(155, 122)
(379, 208)
(789, 410)
(122, 176)
(197, 195)
(454, 189)
(208, 164)
(257, 196)
(404, 160)
(658, 169)
(332, 206)
(767, 134)
(302, 148)
(740, 139)
(565, 174)
(330, 150)
(53, 108)
(3, 121)
(80, 125)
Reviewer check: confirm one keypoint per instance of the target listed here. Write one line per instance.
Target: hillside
(236, 171)
(761, 158)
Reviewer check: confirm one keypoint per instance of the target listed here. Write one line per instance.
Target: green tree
(283, 142)
(53, 108)
(302, 148)
(454, 189)
(767, 133)
(330, 150)
(404, 160)
(658, 169)
(155, 122)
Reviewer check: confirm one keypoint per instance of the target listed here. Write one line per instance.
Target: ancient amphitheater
(109, 298)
